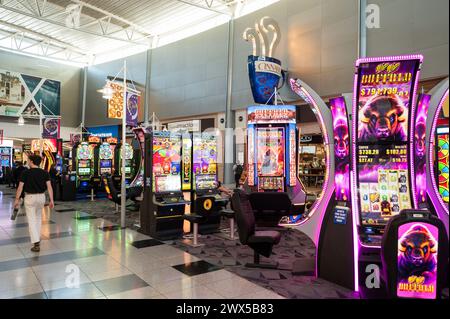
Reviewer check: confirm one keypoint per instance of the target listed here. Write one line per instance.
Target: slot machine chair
(417, 246)
(261, 242)
(113, 194)
(270, 207)
(205, 209)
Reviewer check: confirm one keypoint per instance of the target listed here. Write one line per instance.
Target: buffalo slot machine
(442, 155)
(383, 142)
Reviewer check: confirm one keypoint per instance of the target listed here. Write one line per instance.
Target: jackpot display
(384, 106)
(204, 160)
(417, 261)
(166, 162)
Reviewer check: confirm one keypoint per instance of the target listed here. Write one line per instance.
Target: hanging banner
(115, 105)
(132, 109)
(51, 128)
(21, 93)
(74, 139)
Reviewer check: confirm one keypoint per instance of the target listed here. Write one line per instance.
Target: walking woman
(34, 182)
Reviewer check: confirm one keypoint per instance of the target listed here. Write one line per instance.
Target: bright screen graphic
(84, 152)
(383, 182)
(417, 261)
(105, 151)
(420, 164)
(187, 159)
(443, 171)
(270, 158)
(204, 156)
(166, 162)
(341, 149)
(384, 100)
(5, 153)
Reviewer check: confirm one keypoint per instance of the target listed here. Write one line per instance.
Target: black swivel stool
(230, 215)
(204, 209)
(261, 242)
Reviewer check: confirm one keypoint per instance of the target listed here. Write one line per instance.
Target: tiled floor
(84, 257)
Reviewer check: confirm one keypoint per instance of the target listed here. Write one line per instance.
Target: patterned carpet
(233, 256)
(294, 246)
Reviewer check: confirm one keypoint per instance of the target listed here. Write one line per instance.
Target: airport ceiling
(95, 31)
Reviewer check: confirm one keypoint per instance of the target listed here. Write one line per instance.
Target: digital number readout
(383, 91)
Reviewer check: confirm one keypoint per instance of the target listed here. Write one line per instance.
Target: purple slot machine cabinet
(383, 175)
(438, 151)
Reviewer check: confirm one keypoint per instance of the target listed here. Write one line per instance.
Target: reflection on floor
(87, 256)
(294, 245)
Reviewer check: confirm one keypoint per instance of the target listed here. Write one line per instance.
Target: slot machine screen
(166, 162)
(270, 146)
(167, 183)
(207, 181)
(105, 166)
(204, 153)
(127, 169)
(384, 185)
(383, 109)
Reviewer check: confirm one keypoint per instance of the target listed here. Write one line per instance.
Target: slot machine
(83, 158)
(105, 159)
(6, 156)
(130, 166)
(162, 210)
(272, 153)
(386, 179)
(204, 177)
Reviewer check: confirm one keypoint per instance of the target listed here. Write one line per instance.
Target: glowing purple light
(441, 203)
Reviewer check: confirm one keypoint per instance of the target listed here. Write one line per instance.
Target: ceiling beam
(13, 8)
(204, 7)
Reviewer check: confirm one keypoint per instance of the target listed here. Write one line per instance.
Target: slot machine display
(6, 156)
(130, 166)
(84, 165)
(163, 206)
(272, 152)
(385, 106)
(49, 151)
(383, 147)
(204, 163)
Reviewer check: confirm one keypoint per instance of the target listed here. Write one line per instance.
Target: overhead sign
(272, 114)
(189, 126)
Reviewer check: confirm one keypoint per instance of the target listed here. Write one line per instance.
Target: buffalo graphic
(341, 140)
(382, 118)
(417, 255)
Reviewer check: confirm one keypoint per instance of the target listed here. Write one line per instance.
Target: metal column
(229, 120)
